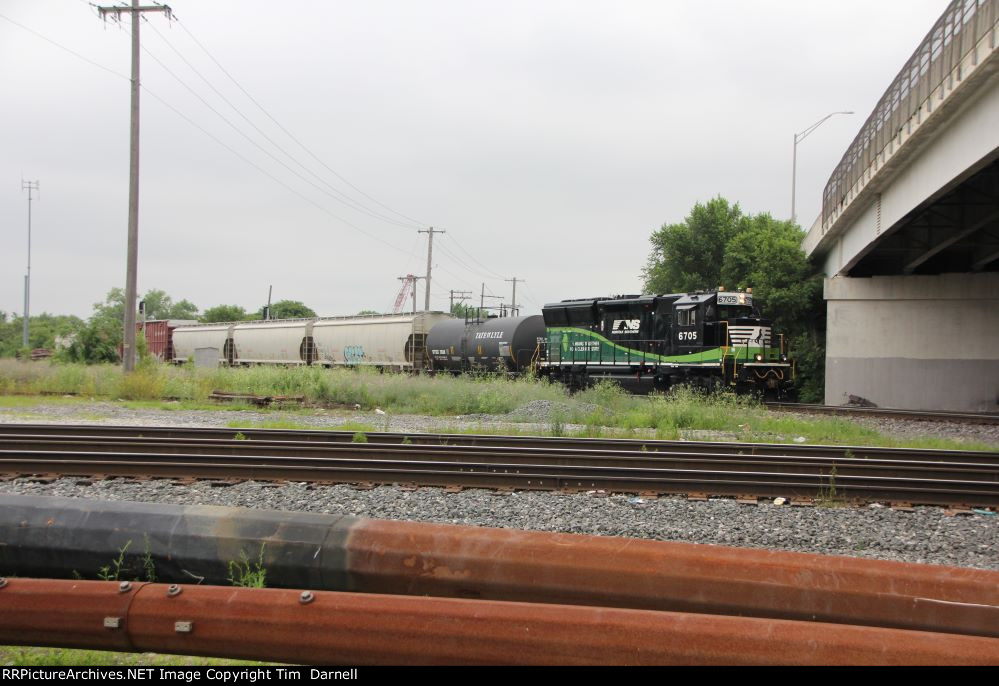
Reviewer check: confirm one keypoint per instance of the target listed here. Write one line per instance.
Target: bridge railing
(926, 77)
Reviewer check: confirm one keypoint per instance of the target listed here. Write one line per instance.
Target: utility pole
(267, 312)
(462, 297)
(131, 278)
(430, 252)
(412, 279)
(513, 307)
(27, 186)
(482, 299)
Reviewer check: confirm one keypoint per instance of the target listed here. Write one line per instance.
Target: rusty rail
(47, 536)
(321, 627)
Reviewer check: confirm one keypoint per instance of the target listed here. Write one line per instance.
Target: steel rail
(324, 627)
(920, 415)
(899, 462)
(305, 436)
(863, 479)
(52, 536)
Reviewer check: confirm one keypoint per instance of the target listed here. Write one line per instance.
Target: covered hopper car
(388, 341)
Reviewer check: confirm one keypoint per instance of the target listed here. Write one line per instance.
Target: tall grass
(440, 395)
(604, 409)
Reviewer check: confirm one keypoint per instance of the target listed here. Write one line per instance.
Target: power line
(217, 140)
(239, 130)
(473, 258)
(271, 176)
(339, 195)
(290, 135)
(63, 47)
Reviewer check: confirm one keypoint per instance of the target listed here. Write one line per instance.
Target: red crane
(408, 282)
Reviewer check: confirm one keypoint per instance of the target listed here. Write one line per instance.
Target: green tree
(43, 330)
(363, 312)
(159, 305)
(100, 338)
(718, 245)
(287, 309)
(766, 256)
(96, 341)
(688, 256)
(463, 311)
(224, 313)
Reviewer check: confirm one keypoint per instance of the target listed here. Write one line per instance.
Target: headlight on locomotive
(759, 357)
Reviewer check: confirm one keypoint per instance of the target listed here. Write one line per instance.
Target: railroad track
(920, 415)
(934, 477)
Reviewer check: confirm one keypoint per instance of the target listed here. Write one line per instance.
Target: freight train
(711, 339)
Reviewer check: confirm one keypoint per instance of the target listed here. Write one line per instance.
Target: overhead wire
(474, 259)
(69, 50)
(289, 134)
(411, 254)
(338, 195)
(268, 174)
(226, 146)
(235, 128)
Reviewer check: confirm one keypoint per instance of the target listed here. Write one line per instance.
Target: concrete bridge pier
(914, 342)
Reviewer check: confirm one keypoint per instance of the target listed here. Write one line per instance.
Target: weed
(148, 565)
(828, 495)
(247, 574)
(407, 441)
(112, 571)
(359, 437)
(557, 425)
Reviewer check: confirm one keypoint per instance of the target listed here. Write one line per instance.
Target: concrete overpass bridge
(909, 230)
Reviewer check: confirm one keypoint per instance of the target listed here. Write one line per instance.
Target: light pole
(798, 137)
(27, 186)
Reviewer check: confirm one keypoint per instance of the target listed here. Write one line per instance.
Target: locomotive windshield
(734, 311)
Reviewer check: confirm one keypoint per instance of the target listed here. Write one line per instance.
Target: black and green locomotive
(713, 339)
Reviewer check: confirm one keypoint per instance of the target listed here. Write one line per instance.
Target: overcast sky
(549, 139)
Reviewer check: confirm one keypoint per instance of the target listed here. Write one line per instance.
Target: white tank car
(384, 340)
(377, 340)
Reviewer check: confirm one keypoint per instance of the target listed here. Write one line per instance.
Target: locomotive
(711, 339)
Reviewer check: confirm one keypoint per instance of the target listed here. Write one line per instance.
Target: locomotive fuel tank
(495, 344)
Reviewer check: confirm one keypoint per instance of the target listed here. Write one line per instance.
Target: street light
(798, 137)
(27, 186)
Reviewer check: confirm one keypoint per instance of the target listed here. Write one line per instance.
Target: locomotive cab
(689, 318)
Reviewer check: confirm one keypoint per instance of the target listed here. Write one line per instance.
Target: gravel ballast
(923, 534)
